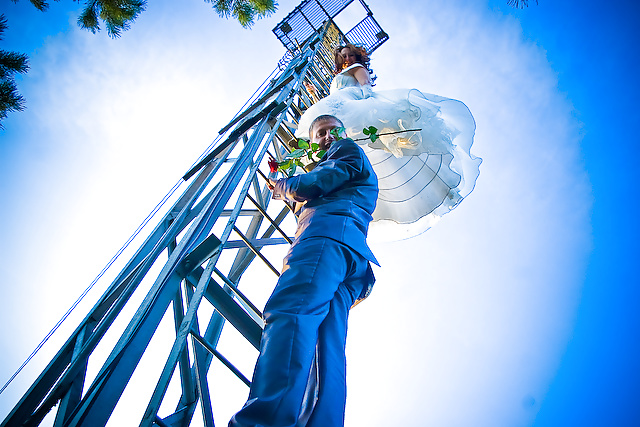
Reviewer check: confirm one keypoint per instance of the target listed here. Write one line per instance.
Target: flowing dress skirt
(422, 173)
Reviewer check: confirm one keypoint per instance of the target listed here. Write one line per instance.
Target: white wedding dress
(421, 174)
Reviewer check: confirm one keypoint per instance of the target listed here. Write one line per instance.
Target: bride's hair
(361, 57)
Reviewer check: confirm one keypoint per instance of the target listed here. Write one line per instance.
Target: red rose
(273, 165)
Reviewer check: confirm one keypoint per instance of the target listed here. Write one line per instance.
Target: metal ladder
(224, 210)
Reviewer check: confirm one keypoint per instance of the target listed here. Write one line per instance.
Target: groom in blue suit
(325, 272)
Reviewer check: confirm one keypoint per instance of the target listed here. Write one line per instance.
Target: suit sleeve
(343, 161)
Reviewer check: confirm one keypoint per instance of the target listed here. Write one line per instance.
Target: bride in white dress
(422, 174)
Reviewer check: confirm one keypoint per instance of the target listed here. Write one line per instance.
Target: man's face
(321, 133)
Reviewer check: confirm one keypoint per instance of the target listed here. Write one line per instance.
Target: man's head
(320, 130)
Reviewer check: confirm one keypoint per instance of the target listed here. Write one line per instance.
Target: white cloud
(469, 320)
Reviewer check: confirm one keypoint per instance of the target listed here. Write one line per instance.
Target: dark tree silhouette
(116, 14)
(10, 63)
(519, 4)
(119, 14)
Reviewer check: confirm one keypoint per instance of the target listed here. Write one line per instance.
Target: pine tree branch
(244, 11)
(3, 25)
(10, 99)
(41, 5)
(116, 14)
(519, 4)
(222, 7)
(10, 63)
(13, 62)
(88, 19)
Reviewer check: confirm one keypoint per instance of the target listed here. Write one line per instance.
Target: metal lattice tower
(225, 209)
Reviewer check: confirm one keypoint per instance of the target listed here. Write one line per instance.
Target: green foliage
(116, 14)
(10, 63)
(313, 152)
(293, 160)
(519, 4)
(245, 11)
(41, 5)
(372, 132)
(337, 132)
(10, 99)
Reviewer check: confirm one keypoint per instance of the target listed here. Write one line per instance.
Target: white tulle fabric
(422, 174)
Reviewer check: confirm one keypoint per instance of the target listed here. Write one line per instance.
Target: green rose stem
(373, 135)
(312, 151)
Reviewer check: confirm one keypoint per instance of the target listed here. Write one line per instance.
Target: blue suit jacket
(337, 197)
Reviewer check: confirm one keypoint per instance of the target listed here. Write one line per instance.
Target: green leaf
(372, 131)
(337, 132)
(295, 154)
(320, 153)
(315, 146)
(303, 144)
(283, 166)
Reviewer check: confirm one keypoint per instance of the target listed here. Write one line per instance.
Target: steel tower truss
(224, 208)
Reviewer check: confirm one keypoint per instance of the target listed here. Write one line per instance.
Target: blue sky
(592, 51)
(519, 308)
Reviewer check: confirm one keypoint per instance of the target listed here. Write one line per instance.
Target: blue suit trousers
(308, 310)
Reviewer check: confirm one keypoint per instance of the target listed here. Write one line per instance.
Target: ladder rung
(220, 357)
(229, 309)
